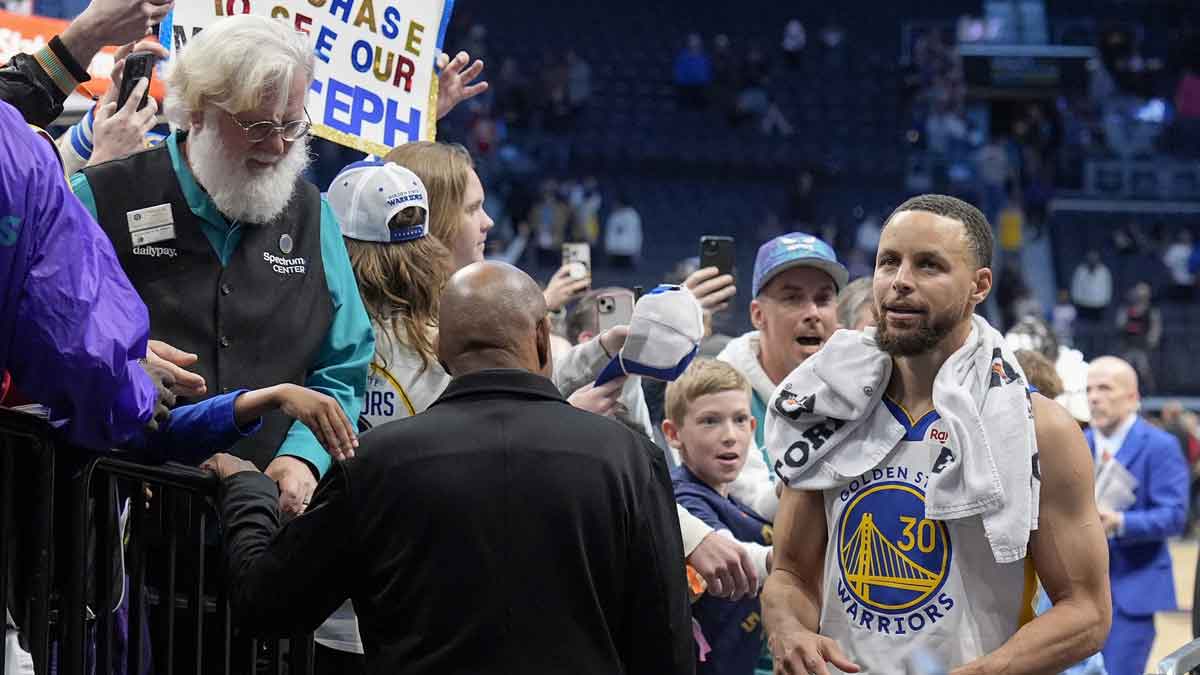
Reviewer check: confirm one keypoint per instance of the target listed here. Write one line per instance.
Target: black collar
(505, 380)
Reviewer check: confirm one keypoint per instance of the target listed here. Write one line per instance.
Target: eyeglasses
(257, 132)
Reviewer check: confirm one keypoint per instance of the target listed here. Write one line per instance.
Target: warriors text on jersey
(896, 581)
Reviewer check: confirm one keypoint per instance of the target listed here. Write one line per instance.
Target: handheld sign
(374, 86)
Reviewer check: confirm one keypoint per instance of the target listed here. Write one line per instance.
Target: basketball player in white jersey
(931, 272)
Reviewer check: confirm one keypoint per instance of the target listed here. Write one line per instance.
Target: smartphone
(718, 252)
(137, 66)
(579, 257)
(614, 309)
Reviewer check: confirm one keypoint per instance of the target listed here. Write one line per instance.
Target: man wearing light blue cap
(794, 311)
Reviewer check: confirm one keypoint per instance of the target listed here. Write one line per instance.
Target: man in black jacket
(501, 531)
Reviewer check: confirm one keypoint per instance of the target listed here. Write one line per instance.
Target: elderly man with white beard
(237, 257)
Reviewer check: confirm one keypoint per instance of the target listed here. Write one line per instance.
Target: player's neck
(912, 376)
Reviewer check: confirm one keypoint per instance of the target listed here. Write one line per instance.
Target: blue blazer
(1139, 563)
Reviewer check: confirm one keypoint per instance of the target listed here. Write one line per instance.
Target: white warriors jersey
(402, 389)
(896, 582)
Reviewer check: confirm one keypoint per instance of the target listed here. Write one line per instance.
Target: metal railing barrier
(109, 565)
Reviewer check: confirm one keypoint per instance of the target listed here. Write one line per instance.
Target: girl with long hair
(410, 222)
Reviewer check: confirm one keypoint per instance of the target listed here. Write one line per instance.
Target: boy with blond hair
(710, 424)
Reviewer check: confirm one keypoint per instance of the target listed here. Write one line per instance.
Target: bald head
(1112, 391)
(493, 315)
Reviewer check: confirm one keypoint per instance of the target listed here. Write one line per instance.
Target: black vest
(259, 321)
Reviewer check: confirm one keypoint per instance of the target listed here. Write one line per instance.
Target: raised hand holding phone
(713, 283)
(564, 287)
(120, 128)
(719, 252)
(577, 257)
(138, 65)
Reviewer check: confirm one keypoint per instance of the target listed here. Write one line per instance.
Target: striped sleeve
(58, 63)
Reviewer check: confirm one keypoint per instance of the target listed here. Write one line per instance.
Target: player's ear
(981, 285)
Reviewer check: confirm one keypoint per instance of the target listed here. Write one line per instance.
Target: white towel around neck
(826, 426)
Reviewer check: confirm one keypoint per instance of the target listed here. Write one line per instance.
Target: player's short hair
(703, 377)
(978, 230)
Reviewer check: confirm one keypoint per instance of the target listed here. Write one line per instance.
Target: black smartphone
(718, 252)
(137, 66)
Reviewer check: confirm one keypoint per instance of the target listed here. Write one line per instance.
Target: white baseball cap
(366, 195)
(664, 336)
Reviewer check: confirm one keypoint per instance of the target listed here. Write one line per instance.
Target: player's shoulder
(1060, 441)
(1051, 419)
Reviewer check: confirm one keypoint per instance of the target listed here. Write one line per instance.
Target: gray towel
(825, 426)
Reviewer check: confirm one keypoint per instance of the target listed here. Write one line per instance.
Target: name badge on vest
(151, 224)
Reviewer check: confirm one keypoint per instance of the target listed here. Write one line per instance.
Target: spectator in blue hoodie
(710, 424)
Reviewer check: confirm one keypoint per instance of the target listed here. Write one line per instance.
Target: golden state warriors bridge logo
(894, 562)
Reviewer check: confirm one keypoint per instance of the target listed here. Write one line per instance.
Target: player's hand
(296, 483)
(563, 288)
(725, 566)
(600, 400)
(806, 653)
(322, 415)
(454, 81)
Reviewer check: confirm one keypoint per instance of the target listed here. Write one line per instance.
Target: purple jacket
(71, 326)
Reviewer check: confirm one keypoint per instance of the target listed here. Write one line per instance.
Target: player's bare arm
(1070, 555)
(791, 599)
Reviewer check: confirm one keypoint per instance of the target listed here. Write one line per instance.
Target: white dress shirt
(1106, 451)
(1107, 446)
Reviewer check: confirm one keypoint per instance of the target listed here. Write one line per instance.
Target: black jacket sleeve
(662, 621)
(26, 86)
(285, 580)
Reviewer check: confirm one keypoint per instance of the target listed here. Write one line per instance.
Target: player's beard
(929, 333)
(245, 195)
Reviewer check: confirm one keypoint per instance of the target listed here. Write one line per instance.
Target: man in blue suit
(1139, 562)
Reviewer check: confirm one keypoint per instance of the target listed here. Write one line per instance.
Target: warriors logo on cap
(365, 197)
